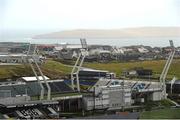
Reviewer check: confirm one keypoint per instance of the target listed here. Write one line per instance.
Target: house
(66, 54)
(143, 50)
(102, 47)
(166, 50)
(99, 55)
(156, 50)
(13, 47)
(19, 58)
(138, 72)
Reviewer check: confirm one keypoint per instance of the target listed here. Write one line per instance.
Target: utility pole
(123, 100)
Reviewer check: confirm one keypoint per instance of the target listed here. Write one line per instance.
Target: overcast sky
(85, 14)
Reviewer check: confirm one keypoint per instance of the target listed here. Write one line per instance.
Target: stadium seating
(20, 89)
(33, 89)
(45, 87)
(139, 86)
(54, 88)
(63, 87)
(9, 88)
(88, 83)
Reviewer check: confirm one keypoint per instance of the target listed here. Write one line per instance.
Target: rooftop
(30, 79)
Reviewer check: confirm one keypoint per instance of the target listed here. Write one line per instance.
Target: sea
(154, 42)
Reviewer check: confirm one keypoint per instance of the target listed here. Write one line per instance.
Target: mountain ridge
(114, 33)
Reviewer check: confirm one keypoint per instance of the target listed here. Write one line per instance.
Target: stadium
(23, 97)
(39, 97)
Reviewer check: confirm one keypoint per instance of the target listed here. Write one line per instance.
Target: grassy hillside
(55, 69)
(156, 66)
(14, 71)
(51, 69)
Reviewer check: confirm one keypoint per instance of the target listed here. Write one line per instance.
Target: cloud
(71, 14)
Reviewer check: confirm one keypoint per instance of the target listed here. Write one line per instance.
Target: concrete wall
(91, 103)
(17, 58)
(109, 97)
(14, 100)
(156, 96)
(119, 97)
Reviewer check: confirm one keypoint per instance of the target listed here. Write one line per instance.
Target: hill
(114, 33)
(54, 69)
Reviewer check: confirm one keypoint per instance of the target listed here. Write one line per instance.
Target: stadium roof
(92, 70)
(31, 79)
(12, 55)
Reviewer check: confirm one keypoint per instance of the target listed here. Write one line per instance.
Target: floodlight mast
(42, 88)
(84, 43)
(30, 61)
(77, 72)
(166, 69)
(78, 64)
(48, 87)
(73, 70)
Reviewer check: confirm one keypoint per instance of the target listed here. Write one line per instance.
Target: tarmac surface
(121, 115)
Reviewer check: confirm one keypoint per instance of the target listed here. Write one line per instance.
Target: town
(96, 53)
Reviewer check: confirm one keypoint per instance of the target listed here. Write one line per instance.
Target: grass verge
(167, 113)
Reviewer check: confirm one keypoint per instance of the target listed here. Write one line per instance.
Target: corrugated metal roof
(30, 79)
(92, 70)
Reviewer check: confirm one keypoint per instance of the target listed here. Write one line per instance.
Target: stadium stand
(63, 87)
(91, 74)
(33, 88)
(58, 86)
(53, 88)
(13, 92)
(88, 83)
(20, 89)
(175, 87)
(135, 85)
(139, 86)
